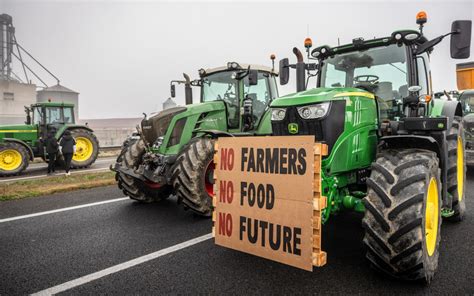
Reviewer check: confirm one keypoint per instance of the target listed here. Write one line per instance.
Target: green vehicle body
(216, 120)
(355, 149)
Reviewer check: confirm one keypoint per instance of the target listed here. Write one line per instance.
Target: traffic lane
(55, 201)
(44, 251)
(209, 269)
(39, 170)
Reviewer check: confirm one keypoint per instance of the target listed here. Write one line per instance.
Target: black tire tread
(399, 207)
(187, 175)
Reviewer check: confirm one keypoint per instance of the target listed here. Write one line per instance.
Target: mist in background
(121, 56)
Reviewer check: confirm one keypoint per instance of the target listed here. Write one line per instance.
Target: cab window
(53, 115)
(260, 95)
(422, 75)
(68, 115)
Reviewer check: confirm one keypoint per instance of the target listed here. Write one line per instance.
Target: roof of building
(58, 88)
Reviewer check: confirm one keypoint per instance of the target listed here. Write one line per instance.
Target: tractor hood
(158, 125)
(17, 128)
(317, 95)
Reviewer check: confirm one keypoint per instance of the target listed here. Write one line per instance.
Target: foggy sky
(121, 56)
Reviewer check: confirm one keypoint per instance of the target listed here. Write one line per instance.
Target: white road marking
(119, 267)
(46, 176)
(62, 210)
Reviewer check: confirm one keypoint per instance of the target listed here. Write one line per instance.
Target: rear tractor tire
(193, 176)
(402, 220)
(131, 157)
(87, 148)
(457, 170)
(14, 159)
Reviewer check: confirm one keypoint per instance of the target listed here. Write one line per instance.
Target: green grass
(56, 184)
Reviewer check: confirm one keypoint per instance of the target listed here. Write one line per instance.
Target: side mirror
(28, 116)
(253, 77)
(173, 91)
(284, 71)
(461, 41)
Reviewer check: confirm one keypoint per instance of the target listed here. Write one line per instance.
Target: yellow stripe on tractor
(355, 94)
(18, 131)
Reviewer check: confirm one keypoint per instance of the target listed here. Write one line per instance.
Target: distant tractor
(173, 151)
(20, 144)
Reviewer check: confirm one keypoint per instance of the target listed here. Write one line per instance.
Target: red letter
(222, 191)
(225, 224)
(230, 159)
(223, 159)
(230, 191)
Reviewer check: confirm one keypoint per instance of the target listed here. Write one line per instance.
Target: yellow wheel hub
(84, 149)
(10, 160)
(431, 216)
(460, 169)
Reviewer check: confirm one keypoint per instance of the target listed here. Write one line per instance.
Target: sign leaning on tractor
(268, 198)
(20, 144)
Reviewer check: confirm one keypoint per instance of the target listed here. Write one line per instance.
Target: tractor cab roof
(359, 44)
(232, 66)
(52, 104)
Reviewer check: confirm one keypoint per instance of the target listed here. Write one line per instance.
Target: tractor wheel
(131, 157)
(456, 169)
(193, 176)
(402, 221)
(14, 159)
(87, 148)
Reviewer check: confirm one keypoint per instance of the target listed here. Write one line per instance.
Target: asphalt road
(48, 250)
(39, 170)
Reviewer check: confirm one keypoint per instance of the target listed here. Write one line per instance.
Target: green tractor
(466, 98)
(172, 152)
(395, 153)
(20, 144)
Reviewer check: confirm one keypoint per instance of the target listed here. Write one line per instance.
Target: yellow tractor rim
(460, 169)
(431, 216)
(10, 160)
(84, 149)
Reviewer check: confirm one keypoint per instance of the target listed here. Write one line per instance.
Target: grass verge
(45, 186)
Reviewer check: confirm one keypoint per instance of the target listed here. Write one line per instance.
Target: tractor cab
(246, 91)
(50, 117)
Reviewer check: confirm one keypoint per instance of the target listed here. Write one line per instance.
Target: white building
(14, 96)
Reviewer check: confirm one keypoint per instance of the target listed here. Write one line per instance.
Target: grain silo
(60, 94)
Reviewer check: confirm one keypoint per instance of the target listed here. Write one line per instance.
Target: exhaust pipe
(188, 91)
(300, 70)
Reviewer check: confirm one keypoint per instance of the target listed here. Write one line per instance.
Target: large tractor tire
(193, 176)
(87, 148)
(14, 159)
(402, 221)
(131, 157)
(457, 169)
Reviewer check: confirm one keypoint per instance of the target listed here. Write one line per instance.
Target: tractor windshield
(381, 70)
(467, 101)
(222, 86)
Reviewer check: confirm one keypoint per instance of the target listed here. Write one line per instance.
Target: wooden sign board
(268, 198)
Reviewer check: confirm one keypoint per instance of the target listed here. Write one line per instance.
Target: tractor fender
(74, 127)
(451, 109)
(410, 141)
(28, 148)
(61, 131)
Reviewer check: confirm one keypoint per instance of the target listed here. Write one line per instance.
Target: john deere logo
(293, 128)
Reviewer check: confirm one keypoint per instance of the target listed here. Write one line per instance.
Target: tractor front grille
(156, 126)
(326, 129)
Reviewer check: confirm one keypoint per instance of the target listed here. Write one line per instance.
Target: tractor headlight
(278, 114)
(313, 111)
